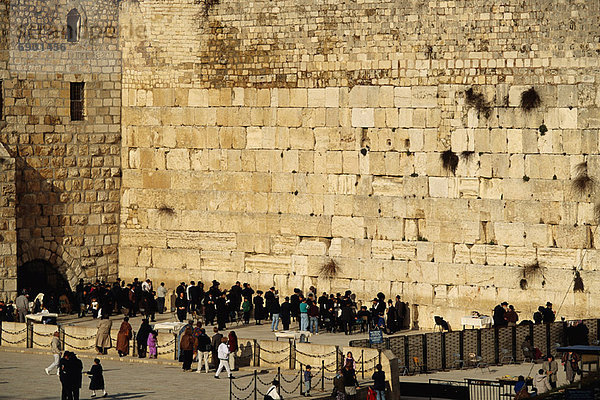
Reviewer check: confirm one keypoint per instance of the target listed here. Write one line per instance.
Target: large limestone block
(363, 117)
(509, 234)
(390, 228)
(262, 263)
(558, 258)
(202, 240)
(382, 249)
(520, 256)
(567, 118)
(403, 96)
(402, 250)
(312, 247)
(142, 238)
(198, 98)
(424, 96)
(176, 258)
(353, 227)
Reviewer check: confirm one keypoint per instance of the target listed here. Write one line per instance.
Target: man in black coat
(499, 312)
(235, 297)
(548, 314)
(222, 311)
(269, 299)
(142, 338)
(285, 313)
(295, 304)
(70, 369)
(193, 300)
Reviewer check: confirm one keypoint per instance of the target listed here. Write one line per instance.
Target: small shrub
(467, 155)
(543, 129)
(449, 161)
(478, 101)
(582, 182)
(422, 239)
(330, 269)
(530, 99)
(525, 178)
(532, 270)
(166, 210)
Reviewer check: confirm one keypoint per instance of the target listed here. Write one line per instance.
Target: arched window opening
(73, 26)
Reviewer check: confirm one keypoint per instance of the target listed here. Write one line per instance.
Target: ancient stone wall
(262, 140)
(67, 172)
(8, 225)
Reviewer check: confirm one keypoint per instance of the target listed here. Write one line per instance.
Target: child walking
(307, 379)
(152, 344)
(97, 378)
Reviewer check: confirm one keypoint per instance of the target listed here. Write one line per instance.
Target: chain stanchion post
(362, 360)
(279, 374)
(300, 379)
(29, 326)
(176, 346)
(379, 358)
(291, 362)
(230, 387)
(322, 375)
(256, 354)
(255, 379)
(0, 332)
(134, 338)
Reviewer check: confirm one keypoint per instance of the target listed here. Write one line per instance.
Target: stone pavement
(22, 377)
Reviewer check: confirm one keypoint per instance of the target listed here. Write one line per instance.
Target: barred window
(77, 99)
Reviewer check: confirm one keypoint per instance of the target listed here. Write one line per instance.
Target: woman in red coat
(124, 337)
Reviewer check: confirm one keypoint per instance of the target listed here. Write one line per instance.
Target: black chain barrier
(10, 342)
(79, 338)
(316, 356)
(43, 334)
(39, 344)
(275, 362)
(14, 332)
(166, 344)
(273, 352)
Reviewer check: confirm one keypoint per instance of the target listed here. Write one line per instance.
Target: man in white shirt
(161, 293)
(223, 354)
(55, 347)
(147, 285)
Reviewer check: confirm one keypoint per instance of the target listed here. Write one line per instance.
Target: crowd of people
(331, 312)
(506, 315)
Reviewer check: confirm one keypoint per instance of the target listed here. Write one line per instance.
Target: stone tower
(60, 71)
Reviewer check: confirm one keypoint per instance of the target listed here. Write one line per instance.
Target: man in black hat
(548, 314)
(269, 299)
(499, 312)
(214, 289)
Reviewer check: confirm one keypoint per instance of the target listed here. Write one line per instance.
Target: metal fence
(459, 349)
(256, 385)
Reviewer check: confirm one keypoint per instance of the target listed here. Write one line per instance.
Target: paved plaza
(23, 377)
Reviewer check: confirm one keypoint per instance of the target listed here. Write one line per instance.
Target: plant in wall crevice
(582, 182)
(449, 161)
(329, 269)
(467, 155)
(477, 101)
(530, 99)
(166, 210)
